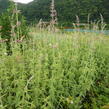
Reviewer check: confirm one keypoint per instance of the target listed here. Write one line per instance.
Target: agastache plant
(6, 31)
(13, 27)
(54, 20)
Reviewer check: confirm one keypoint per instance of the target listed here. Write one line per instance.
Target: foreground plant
(6, 31)
(13, 27)
(56, 71)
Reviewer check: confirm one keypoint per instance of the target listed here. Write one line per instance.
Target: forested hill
(3, 5)
(67, 10)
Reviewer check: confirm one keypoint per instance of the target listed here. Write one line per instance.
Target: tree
(66, 9)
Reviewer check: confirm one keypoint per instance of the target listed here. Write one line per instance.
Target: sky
(23, 1)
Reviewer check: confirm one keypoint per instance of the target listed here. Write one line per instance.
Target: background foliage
(67, 10)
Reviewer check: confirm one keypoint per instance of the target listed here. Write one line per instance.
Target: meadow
(61, 70)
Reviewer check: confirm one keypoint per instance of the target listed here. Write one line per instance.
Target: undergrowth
(55, 71)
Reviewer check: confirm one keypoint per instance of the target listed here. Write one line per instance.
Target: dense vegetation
(67, 10)
(48, 68)
(56, 71)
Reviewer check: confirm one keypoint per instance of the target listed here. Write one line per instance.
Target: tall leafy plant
(6, 31)
(13, 27)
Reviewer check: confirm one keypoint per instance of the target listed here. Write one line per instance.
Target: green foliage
(13, 27)
(3, 5)
(56, 71)
(66, 9)
(6, 26)
(6, 31)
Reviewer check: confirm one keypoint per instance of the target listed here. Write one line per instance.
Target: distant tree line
(67, 10)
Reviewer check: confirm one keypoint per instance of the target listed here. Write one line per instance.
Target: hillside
(3, 5)
(67, 10)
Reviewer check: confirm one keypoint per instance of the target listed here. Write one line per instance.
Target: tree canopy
(66, 9)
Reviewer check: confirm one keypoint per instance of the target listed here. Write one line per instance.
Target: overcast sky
(23, 1)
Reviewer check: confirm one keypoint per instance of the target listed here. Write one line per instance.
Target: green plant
(13, 27)
(56, 71)
(6, 31)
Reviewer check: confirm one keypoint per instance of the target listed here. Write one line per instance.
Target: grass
(56, 71)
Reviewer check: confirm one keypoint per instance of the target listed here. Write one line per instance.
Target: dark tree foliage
(3, 5)
(66, 9)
